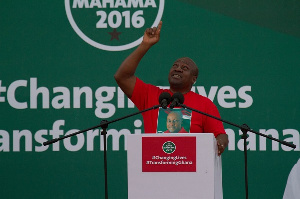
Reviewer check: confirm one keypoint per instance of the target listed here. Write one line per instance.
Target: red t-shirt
(146, 95)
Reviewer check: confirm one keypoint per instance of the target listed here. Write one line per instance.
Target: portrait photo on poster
(177, 120)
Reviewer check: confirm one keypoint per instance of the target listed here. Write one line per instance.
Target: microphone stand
(104, 124)
(244, 128)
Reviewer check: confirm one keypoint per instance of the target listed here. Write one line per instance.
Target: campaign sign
(169, 154)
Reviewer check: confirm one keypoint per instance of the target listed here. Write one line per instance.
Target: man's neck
(183, 91)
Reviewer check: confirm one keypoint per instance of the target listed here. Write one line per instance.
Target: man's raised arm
(125, 75)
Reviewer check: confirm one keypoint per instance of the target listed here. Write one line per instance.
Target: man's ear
(194, 80)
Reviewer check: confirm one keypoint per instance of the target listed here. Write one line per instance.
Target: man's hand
(222, 142)
(151, 35)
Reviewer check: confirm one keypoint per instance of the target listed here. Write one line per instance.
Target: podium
(177, 166)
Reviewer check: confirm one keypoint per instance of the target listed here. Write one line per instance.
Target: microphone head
(164, 96)
(179, 97)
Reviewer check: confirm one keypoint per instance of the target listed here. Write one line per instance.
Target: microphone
(164, 99)
(177, 99)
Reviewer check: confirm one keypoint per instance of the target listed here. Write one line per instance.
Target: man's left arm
(215, 126)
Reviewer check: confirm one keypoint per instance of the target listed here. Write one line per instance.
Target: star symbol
(114, 34)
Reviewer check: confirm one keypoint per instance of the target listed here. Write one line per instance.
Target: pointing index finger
(159, 26)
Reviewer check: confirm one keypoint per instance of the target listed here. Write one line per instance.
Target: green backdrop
(54, 82)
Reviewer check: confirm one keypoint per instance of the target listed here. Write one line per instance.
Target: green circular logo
(113, 25)
(169, 147)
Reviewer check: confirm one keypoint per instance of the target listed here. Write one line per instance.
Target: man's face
(173, 123)
(182, 75)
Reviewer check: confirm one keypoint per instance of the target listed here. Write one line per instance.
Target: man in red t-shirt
(183, 74)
